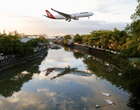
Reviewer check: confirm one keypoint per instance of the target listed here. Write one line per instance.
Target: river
(70, 80)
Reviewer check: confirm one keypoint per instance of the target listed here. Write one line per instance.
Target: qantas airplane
(67, 17)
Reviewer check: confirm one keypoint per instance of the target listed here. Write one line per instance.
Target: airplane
(67, 17)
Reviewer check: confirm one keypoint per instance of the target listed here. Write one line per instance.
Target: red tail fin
(49, 14)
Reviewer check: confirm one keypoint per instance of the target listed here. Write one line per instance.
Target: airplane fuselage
(67, 17)
(75, 16)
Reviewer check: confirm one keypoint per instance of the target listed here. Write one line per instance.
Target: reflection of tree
(128, 80)
(11, 80)
(77, 55)
(66, 49)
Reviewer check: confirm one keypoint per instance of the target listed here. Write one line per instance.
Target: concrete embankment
(94, 49)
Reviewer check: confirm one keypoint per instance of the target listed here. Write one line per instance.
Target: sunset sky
(26, 16)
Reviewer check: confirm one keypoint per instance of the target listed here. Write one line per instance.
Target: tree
(11, 44)
(67, 37)
(78, 38)
(136, 15)
(134, 27)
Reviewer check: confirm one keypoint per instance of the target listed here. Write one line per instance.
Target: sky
(26, 16)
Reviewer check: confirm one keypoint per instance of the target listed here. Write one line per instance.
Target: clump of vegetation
(11, 44)
(104, 39)
(117, 40)
(66, 39)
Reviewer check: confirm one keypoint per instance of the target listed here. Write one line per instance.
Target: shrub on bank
(11, 44)
(115, 40)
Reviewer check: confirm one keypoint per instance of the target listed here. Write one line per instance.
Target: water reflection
(71, 80)
(65, 71)
(119, 72)
(11, 80)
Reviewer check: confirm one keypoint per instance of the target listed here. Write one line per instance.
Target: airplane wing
(63, 14)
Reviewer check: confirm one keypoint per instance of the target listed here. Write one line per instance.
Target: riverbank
(94, 49)
(99, 52)
(106, 53)
(14, 61)
(16, 49)
(114, 41)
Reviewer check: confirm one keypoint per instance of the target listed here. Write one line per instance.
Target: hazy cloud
(26, 16)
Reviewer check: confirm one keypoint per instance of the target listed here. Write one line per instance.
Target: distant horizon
(109, 26)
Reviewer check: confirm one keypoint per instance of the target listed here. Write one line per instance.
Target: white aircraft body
(67, 17)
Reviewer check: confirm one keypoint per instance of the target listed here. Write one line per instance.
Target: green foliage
(132, 45)
(136, 15)
(78, 38)
(104, 38)
(7, 42)
(11, 44)
(134, 27)
(67, 37)
(114, 40)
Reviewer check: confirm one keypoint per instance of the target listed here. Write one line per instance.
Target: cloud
(25, 100)
(26, 17)
(43, 99)
(61, 61)
(115, 10)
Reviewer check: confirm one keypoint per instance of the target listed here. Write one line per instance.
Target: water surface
(28, 87)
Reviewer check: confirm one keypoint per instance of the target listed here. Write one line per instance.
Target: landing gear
(68, 19)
